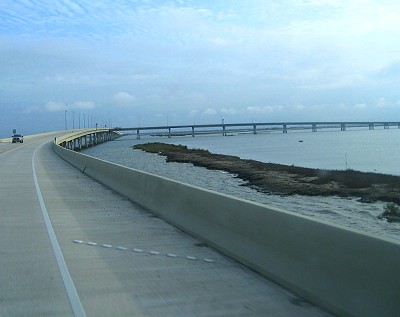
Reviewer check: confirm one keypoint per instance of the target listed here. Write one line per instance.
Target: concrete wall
(344, 271)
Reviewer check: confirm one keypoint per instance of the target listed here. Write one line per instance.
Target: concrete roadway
(71, 247)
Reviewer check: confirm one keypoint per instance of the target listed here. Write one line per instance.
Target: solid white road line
(62, 266)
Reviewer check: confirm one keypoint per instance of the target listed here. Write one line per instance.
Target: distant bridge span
(285, 126)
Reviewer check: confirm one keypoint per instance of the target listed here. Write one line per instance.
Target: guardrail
(85, 138)
(345, 271)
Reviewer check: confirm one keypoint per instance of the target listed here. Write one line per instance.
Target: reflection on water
(344, 211)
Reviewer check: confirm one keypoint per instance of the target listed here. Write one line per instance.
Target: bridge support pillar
(343, 127)
(398, 126)
(254, 129)
(284, 128)
(314, 127)
(138, 134)
(371, 126)
(223, 130)
(386, 126)
(192, 131)
(169, 132)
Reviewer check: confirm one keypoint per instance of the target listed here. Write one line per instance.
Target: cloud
(53, 106)
(299, 107)
(84, 105)
(231, 111)
(210, 111)
(383, 103)
(33, 109)
(192, 113)
(265, 109)
(360, 106)
(391, 72)
(124, 99)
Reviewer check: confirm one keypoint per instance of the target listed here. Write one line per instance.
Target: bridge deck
(141, 266)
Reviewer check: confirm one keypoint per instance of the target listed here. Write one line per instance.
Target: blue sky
(151, 62)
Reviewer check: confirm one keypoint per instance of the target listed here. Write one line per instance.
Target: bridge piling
(314, 127)
(252, 127)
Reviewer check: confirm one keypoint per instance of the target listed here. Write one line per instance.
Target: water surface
(364, 150)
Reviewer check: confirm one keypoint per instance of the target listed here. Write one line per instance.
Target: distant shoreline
(281, 179)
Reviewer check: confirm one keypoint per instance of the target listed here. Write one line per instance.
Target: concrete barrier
(345, 271)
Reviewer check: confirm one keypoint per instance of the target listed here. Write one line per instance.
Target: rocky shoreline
(287, 180)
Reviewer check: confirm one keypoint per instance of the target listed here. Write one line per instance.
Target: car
(17, 138)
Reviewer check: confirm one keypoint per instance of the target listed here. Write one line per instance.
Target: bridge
(85, 237)
(284, 126)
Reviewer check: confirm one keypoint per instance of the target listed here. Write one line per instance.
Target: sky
(153, 62)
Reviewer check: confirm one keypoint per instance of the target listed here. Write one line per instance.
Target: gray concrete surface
(346, 271)
(123, 260)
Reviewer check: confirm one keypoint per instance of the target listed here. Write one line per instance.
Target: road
(72, 247)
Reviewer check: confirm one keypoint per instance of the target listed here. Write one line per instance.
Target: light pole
(65, 119)
(73, 120)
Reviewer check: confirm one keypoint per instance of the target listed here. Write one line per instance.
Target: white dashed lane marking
(137, 250)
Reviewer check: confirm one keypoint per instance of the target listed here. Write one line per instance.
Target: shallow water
(343, 211)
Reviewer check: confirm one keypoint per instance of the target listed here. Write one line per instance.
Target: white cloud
(231, 111)
(192, 113)
(84, 105)
(383, 103)
(299, 107)
(360, 106)
(53, 106)
(124, 99)
(210, 111)
(32, 109)
(265, 109)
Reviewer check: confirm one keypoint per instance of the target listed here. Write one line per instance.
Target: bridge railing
(85, 138)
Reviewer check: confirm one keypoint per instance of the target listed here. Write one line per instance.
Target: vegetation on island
(391, 213)
(288, 180)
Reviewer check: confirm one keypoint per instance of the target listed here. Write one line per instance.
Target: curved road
(71, 247)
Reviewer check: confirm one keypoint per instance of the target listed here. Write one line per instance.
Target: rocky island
(287, 180)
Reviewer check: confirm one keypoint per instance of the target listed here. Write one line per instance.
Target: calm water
(364, 150)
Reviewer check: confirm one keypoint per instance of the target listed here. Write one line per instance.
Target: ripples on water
(343, 211)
